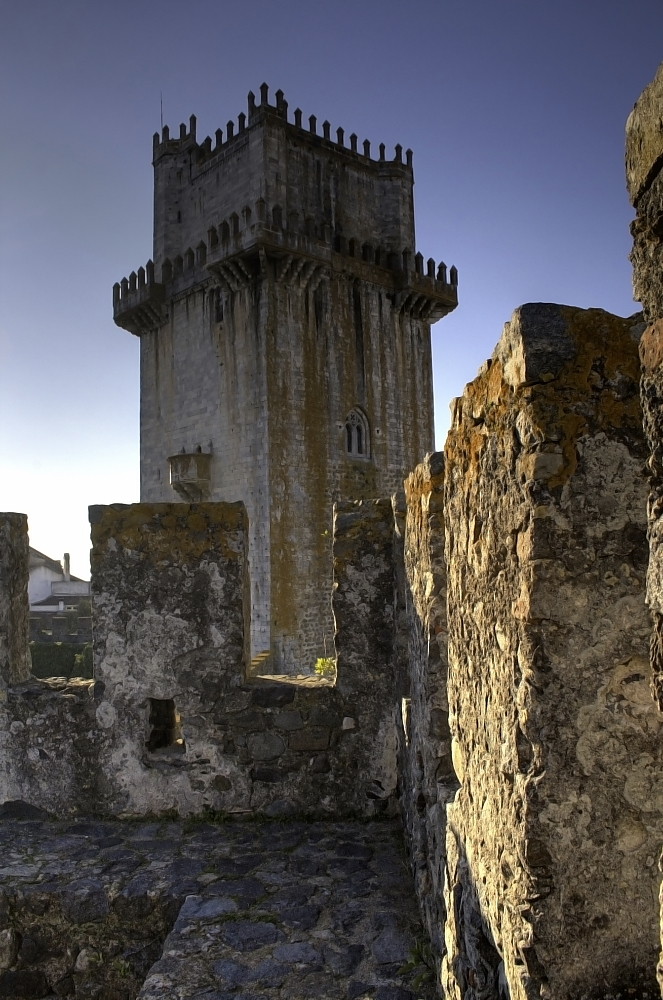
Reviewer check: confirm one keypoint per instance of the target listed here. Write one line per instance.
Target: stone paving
(113, 910)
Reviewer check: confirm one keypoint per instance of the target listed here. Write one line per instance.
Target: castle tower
(284, 325)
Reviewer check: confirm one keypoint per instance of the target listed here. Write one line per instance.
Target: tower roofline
(258, 113)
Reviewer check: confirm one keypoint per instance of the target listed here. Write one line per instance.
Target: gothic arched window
(357, 439)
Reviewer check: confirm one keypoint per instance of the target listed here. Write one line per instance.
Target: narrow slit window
(165, 727)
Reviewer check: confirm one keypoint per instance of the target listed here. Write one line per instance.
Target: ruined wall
(171, 720)
(47, 729)
(170, 612)
(363, 605)
(644, 178)
(428, 780)
(644, 175)
(48, 746)
(553, 835)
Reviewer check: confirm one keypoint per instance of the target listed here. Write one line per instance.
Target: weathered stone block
(644, 138)
(49, 746)
(363, 606)
(169, 605)
(552, 835)
(312, 738)
(266, 746)
(15, 663)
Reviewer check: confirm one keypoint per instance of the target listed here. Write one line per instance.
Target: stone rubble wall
(428, 780)
(168, 625)
(47, 727)
(169, 605)
(169, 602)
(363, 600)
(49, 745)
(554, 832)
(644, 176)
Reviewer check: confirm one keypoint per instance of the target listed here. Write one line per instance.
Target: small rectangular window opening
(165, 727)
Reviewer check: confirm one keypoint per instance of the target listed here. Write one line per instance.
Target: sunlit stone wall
(554, 834)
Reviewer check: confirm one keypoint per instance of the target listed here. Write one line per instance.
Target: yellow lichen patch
(594, 390)
(651, 347)
(417, 486)
(181, 533)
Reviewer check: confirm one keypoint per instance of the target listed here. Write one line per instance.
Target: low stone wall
(428, 780)
(553, 835)
(47, 728)
(183, 728)
(48, 745)
(171, 722)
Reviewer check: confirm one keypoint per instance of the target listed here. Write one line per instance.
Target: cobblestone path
(171, 910)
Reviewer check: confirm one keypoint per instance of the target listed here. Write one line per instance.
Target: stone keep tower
(284, 325)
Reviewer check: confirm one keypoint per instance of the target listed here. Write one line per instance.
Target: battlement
(311, 172)
(163, 144)
(138, 300)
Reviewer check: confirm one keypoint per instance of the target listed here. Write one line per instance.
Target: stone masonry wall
(363, 606)
(47, 727)
(15, 664)
(171, 721)
(644, 174)
(169, 590)
(168, 612)
(428, 780)
(49, 744)
(553, 835)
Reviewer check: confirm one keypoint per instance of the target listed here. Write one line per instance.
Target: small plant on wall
(325, 666)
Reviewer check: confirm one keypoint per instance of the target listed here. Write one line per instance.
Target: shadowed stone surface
(644, 175)
(15, 662)
(172, 910)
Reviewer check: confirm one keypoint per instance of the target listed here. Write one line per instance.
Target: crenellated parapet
(281, 170)
(231, 249)
(138, 301)
(260, 109)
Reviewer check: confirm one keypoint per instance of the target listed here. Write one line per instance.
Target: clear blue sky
(515, 110)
